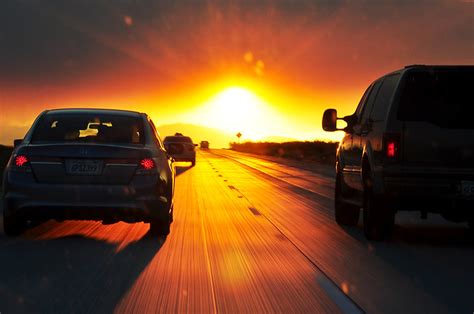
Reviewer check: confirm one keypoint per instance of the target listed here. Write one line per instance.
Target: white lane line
(332, 290)
(275, 177)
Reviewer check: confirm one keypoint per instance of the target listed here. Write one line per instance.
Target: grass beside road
(5, 152)
(323, 152)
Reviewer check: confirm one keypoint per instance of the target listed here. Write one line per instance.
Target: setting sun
(236, 109)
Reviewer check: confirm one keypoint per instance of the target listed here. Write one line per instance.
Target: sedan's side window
(156, 135)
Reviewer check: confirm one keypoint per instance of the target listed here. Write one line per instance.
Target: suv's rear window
(177, 139)
(89, 128)
(444, 98)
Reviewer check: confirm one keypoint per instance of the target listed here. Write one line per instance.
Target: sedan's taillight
(21, 161)
(146, 166)
(147, 163)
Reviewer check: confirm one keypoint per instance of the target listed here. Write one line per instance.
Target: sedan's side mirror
(330, 120)
(17, 142)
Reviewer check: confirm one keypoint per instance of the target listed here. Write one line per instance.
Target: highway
(250, 234)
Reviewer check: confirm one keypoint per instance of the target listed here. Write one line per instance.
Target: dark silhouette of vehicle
(204, 145)
(89, 164)
(181, 148)
(408, 146)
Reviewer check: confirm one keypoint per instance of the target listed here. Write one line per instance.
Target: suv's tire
(193, 162)
(345, 214)
(160, 228)
(13, 225)
(379, 220)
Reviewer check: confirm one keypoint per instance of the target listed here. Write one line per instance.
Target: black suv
(408, 146)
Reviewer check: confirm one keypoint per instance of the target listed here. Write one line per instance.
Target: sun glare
(237, 110)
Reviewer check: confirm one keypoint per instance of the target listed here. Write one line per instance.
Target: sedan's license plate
(84, 167)
(467, 188)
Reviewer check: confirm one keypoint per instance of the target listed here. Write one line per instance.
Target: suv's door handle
(366, 128)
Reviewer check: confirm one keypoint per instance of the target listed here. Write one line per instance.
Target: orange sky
(289, 59)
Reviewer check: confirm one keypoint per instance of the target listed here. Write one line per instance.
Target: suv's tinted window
(384, 96)
(362, 101)
(370, 102)
(88, 128)
(444, 98)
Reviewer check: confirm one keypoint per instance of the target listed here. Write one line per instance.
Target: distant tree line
(323, 152)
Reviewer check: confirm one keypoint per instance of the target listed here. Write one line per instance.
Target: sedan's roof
(94, 111)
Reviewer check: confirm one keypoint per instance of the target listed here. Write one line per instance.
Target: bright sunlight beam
(237, 109)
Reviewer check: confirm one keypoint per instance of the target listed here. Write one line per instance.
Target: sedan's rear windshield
(89, 128)
(444, 98)
(178, 139)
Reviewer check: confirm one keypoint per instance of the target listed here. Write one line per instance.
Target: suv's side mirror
(330, 120)
(17, 142)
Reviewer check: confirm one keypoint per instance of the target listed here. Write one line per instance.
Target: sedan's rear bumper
(141, 200)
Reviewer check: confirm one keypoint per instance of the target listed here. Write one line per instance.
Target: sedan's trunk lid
(84, 163)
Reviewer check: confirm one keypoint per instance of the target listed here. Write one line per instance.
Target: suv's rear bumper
(432, 194)
(141, 200)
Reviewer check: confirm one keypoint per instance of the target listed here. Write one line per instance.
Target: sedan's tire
(13, 225)
(345, 214)
(379, 220)
(159, 228)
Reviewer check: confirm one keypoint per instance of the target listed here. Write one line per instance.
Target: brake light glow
(391, 149)
(21, 160)
(147, 163)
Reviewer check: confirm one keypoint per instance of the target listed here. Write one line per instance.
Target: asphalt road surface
(250, 235)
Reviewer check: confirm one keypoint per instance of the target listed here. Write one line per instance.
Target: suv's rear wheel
(379, 220)
(345, 214)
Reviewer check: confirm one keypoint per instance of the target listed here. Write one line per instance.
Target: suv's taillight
(391, 145)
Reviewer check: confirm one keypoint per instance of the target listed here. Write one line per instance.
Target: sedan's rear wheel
(159, 228)
(13, 225)
(345, 214)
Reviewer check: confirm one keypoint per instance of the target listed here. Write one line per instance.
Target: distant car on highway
(204, 145)
(89, 164)
(408, 146)
(181, 148)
